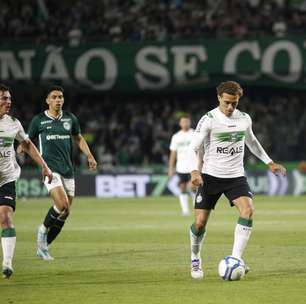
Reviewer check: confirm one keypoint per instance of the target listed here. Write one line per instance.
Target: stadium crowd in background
(77, 22)
(136, 130)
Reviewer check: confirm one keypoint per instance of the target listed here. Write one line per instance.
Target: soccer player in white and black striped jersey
(223, 133)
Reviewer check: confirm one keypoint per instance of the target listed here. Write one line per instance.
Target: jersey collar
(54, 118)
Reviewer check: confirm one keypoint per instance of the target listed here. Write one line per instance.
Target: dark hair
(184, 115)
(54, 88)
(3, 87)
(229, 87)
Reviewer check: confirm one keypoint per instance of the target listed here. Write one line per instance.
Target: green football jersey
(55, 140)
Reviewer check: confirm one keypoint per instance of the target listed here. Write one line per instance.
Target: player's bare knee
(200, 222)
(6, 220)
(63, 205)
(247, 211)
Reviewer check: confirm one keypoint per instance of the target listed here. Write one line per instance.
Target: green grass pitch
(137, 251)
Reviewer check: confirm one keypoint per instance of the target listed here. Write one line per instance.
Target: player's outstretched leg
(42, 245)
(56, 228)
(196, 241)
(243, 227)
(8, 241)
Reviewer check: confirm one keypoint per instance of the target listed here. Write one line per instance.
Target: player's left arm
(256, 148)
(82, 144)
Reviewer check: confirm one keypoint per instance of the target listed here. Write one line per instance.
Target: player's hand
(47, 173)
(170, 172)
(196, 179)
(92, 164)
(277, 168)
(19, 149)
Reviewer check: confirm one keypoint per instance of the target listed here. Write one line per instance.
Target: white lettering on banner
(232, 56)
(11, 67)
(152, 74)
(173, 185)
(157, 67)
(266, 58)
(294, 58)
(186, 62)
(110, 63)
(121, 185)
(105, 186)
(55, 66)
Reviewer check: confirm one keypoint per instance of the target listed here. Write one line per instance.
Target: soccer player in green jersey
(56, 129)
(11, 129)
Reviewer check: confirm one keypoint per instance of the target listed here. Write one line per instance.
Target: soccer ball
(231, 269)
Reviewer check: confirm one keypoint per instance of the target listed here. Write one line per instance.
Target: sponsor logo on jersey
(45, 122)
(6, 141)
(67, 125)
(231, 151)
(230, 136)
(57, 136)
(184, 143)
(5, 153)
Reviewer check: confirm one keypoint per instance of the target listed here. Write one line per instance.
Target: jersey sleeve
(33, 129)
(21, 135)
(197, 142)
(75, 128)
(253, 144)
(173, 143)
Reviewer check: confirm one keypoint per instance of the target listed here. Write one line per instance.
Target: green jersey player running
(11, 129)
(56, 129)
(223, 133)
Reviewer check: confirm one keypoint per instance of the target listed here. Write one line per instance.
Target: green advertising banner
(170, 67)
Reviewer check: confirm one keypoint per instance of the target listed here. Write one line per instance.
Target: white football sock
(196, 243)
(183, 198)
(242, 235)
(8, 249)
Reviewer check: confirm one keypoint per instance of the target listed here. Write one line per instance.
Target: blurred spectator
(136, 130)
(79, 21)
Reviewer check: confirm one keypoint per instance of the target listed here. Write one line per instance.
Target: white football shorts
(67, 183)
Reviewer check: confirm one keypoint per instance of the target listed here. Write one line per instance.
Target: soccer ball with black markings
(231, 269)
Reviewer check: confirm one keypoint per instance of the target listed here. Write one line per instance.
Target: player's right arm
(172, 156)
(171, 164)
(197, 142)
